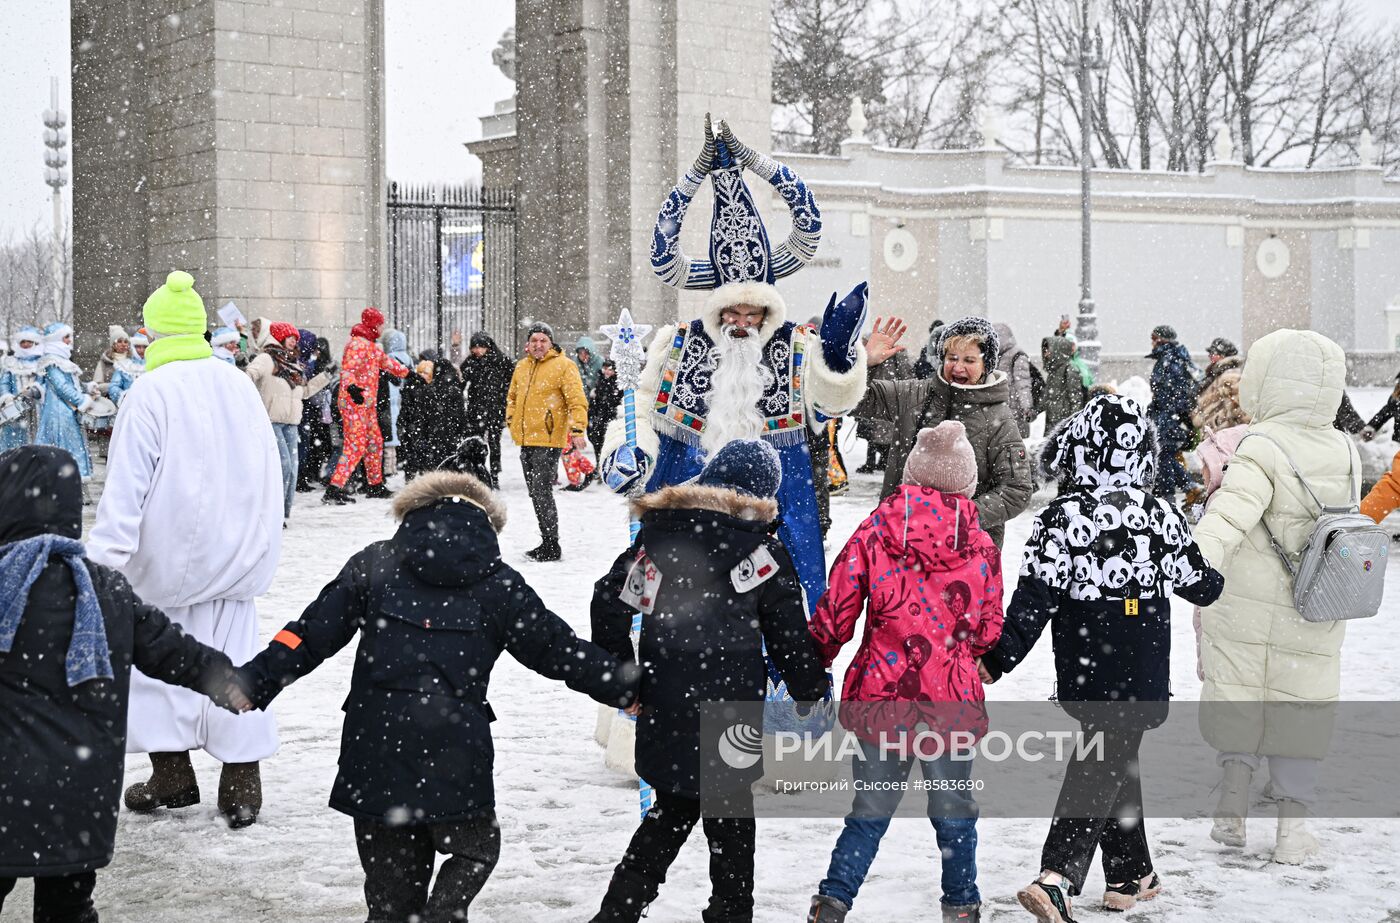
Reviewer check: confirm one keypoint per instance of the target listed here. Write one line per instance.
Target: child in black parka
(721, 589)
(434, 606)
(70, 632)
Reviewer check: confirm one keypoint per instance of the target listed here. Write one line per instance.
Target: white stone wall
(1168, 248)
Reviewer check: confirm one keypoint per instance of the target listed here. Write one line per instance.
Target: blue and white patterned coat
(58, 414)
(125, 371)
(16, 377)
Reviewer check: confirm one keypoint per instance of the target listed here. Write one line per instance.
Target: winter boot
(548, 551)
(1234, 804)
(962, 913)
(1295, 844)
(1118, 898)
(827, 909)
(1048, 903)
(335, 496)
(172, 784)
(240, 794)
(379, 492)
(627, 898)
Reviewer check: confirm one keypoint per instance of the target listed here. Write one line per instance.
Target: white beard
(735, 390)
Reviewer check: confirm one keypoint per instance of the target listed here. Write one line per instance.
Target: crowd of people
(726, 575)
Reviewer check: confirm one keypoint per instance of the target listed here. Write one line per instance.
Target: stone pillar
(610, 100)
(238, 140)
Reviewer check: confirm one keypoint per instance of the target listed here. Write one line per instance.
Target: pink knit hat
(943, 459)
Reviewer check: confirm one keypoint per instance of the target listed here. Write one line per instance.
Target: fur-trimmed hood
(436, 486)
(714, 499)
(758, 294)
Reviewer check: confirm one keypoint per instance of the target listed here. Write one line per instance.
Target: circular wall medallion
(901, 250)
(1272, 258)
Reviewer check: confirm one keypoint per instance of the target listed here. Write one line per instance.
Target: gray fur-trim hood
(436, 486)
(716, 499)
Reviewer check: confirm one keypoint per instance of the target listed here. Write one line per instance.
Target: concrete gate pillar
(610, 104)
(240, 140)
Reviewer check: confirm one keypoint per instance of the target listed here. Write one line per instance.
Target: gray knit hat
(540, 326)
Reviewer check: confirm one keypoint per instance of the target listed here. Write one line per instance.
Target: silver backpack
(1341, 568)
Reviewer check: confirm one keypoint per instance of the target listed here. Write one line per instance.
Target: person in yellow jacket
(546, 411)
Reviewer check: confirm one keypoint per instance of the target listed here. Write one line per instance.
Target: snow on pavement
(565, 818)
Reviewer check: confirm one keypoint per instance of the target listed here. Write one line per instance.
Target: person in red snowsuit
(359, 386)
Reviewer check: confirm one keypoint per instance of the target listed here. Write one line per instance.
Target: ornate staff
(629, 357)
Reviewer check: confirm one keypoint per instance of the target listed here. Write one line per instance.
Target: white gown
(191, 515)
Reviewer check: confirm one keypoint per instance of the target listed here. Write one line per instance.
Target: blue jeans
(870, 818)
(286, 434)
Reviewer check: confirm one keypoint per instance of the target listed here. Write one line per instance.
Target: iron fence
(451, 263)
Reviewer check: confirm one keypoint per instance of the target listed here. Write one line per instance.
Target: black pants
(492, 435)
(398, 864)
(540, 463)
(60, 899)
(664, 831)
(1109, 792)
(315, 450)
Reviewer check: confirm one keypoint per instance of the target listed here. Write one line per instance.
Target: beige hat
(943, 459)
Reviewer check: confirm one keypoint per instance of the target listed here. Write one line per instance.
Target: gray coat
(1004, 484)
(1017, 366)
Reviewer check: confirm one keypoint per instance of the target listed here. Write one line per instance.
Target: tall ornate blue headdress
(739, 248)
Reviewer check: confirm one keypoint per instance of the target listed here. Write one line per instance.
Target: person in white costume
(190, 428)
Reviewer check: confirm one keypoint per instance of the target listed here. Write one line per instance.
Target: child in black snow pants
(70, 632)
(721, 587)
(435, 606)
(1102, 563)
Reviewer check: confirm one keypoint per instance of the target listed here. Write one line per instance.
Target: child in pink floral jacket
(929, 579)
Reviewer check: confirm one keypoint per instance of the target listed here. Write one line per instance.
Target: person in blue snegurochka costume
(20, 381)
(127, 369)
(742, 369)
(64, 398)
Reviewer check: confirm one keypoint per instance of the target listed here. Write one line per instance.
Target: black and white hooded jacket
(1103, 561)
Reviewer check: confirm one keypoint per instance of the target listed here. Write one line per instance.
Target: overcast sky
(440, 81)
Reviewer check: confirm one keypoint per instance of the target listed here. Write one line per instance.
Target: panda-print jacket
(1102, 563)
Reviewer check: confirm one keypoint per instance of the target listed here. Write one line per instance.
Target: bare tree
(825, 52)
(27, 282)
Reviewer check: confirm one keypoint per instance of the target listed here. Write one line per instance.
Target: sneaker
(335, 496)
(1118, 898)
(1046, 902)
(575, 488)
(379, 492)
(545, 552)
(827, 909)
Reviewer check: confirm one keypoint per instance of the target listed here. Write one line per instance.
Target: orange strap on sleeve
(286, 637)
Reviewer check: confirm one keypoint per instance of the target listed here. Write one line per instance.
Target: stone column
(238, 140)
(602, 140)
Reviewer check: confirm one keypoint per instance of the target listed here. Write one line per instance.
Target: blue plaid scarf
(20, 565)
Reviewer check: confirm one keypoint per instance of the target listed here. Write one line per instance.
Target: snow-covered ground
(565, 818)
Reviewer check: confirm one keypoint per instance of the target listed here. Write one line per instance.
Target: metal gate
(451, 263)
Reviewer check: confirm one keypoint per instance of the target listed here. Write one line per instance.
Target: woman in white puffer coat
(1255, 646)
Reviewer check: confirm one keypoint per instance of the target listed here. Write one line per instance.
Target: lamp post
(55, 177)
(1086, 330)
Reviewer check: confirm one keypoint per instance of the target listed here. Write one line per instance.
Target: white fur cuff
(830, 392)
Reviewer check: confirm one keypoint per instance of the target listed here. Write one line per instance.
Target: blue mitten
(841, 327)
(625, 468)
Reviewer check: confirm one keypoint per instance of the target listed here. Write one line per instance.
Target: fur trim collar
(759, 294)
(715, 499)
(436, 486)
